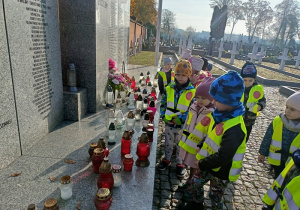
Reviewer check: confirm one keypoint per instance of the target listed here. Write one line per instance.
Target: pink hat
(186, 54)
(197, 63)
(203, 88)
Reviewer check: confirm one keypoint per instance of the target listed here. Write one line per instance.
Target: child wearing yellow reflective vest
(284, 192)
(165, 75)
(282, 137)
(198, 110)
(221, 138)
(175, 104)
(253, 97)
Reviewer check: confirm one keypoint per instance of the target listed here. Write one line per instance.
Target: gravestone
(233, 52)
(34, 52)
(283, 58)
(253, 55)
(297, 58)
(180, 46)
(190, 43)
(183, 45)
(221, 49)
(9, 135)
(261, 54)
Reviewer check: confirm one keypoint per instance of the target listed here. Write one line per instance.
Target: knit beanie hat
(249, 70)
(203, 88)
(228, 89)
(296, 157)
(186, 54)
(197, 63)
(183, 67)
(294, 101)
(167, 60)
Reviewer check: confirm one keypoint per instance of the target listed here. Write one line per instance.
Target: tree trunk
(233, 24)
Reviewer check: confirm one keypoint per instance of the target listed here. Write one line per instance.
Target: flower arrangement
(115, 80)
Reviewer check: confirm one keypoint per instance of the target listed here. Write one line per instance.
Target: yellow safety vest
(276, 143)
(188, 144)
(213, 141)
(256, 93)
(164, 77)
(182, 105)
(290, 196)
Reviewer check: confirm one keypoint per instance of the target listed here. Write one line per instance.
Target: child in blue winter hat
(221, 139)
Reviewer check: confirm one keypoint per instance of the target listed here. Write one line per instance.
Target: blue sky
(197, 13)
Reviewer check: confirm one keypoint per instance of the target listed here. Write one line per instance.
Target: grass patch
(216, 70)
(145, 58)
(266, 73)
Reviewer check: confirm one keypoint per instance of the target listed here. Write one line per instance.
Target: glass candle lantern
(148, 72)
(138, 114)
(105, 178)
(132, 83)
(91, 149)
(143, 151)
(155, 81)
(150, 132)
(139, 102)
(51, 204)
(123, 96)
(145, 122)
(128, 162)
(141, 75)
(131, 101)
(118, 104)
(130, 121)
(148, 80)
(102, 145)
(144, 93)
(125, 143)
(145, 104)
(31, 207)
(71, 78)
(152, 107)
(151, 116)
(153, 93)
(111, 117)
(117, 175)
(103, 199)
(143, 82)
(120, 120)
(97, 159)
(66, 187)
(109, 96)
(111, 134)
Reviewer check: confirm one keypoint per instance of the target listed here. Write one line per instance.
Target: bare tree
(284, 12)
(235, 13)
(256, 13)
(168, 23)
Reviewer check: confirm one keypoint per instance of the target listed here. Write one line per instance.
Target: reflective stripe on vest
(198, 134)
(255, 94)
(164, 77)
(183, 104)
(274, 157)
(290, 194)
(213, 141)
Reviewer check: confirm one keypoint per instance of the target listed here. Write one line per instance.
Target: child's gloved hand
(261, 159)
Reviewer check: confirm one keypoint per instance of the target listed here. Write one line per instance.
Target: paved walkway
(248, 190)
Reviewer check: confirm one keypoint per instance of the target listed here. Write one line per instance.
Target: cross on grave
(180, 46)
(233, 52)
(183, 44)
(253, 55)
(221, 49)
(190, 43)
(297, 58)
(261, 54)
(283, 58)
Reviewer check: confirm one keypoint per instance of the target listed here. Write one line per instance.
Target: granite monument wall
(31, 89)
(91, 32)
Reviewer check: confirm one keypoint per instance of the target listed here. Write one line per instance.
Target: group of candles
(110, 175)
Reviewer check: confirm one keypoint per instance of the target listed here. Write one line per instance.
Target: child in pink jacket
(198, 110)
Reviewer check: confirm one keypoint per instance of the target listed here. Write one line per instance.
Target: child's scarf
(224, 116)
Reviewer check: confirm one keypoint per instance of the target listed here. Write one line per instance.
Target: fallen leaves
(16, 174)
(78, 205)
(69, 161)
(52, 179)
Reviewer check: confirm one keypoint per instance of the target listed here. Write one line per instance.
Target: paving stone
(166, 194)
(238, 206)
(238, 199)
(247, 166)
(156, 201)
(250, 171)
(174, 188)
(236, 192)
(165, 185)
(165, 203)
(257, 168)
(178, 195)
(248, 185)
(256, 199)
(253, 177)
(156, 192)
(227, 192)
(228, 198)
(174, 181)
(253, 191)
(244, 192)
(247, 199)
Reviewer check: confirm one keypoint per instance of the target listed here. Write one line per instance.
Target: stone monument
(31, 72)
(190, 43)
(233, 52)
(253, 55)
(297, 58)
(261, 54)
(221, 49)
(283, 58)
